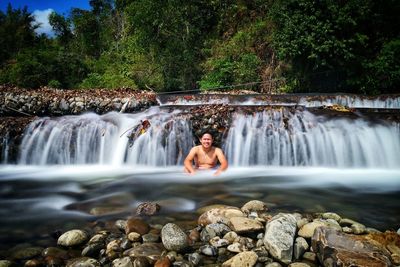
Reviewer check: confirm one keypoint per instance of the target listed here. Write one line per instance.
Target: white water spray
(282, 138)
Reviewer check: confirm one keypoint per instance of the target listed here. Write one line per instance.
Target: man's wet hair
(207, 132)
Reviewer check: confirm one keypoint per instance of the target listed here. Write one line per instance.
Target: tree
(17, 31)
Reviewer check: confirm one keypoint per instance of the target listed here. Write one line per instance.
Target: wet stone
(237, 247)
(173, 237)
(347, 230)
(33, 263)
(92, 250)
(151, 251)
(358, 228)
(148, 208)
(218, 242)
(298, 264)
(150, 237)
(331, 215)
(136, 225)
(121, 225)
(83, 261)
(247, 258)
(163, 262)
(279, 236)
(254, 205)
(219, 215)
(230, 236)
(194, 258)
(273, 264)
(244, 225)
(122, 262)
(134, 237)
(98, 238)
(209, 250)
(72, 238)
(310, 256)
(141, 262)
(300, 246)
(26, 253)
(213, 230)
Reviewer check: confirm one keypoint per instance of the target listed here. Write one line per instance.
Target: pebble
(236, 248)
(311, 256)
(273, 264)
(194, 258)
(122, 262)
(98, 238)
(150, 237)
(72, 238)
(218, 242)
(6, 263)
(347, 230)
(148, 208)
(245, 225)
(121, 225)
(173, 237)
(26, 253)
(331, 215)
(83, 261)
(358, 228)
(134, 237)
(300, 246)
(254, 205)
(209, 250)
(298, 264)
(247, 258)
(92, 250)
(163, 262)
(212, 230)
(137, 225)
(230, 236)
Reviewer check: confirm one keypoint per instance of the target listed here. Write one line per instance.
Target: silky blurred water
(38, 200)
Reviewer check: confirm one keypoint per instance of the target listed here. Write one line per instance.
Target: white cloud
(42, 18)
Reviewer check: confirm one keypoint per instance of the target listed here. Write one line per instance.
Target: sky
(41, 9)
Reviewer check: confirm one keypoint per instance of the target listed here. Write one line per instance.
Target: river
(80, 171)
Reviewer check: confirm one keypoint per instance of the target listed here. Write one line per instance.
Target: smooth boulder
(279, 237)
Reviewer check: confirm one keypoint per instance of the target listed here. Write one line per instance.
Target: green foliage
(383, 73)
(16, 32)
(54, 84)
(335, 38)
(304, 45)
(237, 60)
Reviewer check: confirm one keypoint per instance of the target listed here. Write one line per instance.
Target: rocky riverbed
(54, 102)
(252, 235)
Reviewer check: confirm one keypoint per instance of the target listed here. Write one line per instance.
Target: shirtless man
(205, 157)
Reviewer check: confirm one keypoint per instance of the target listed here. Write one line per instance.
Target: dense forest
(167, 45)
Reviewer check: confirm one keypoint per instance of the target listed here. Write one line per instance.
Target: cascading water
(279, 137)
(351, 101)
(94, 139)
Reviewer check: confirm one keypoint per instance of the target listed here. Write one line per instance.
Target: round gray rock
(173, 237)
(72, 238)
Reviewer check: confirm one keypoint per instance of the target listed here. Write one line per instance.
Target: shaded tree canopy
(267, 46)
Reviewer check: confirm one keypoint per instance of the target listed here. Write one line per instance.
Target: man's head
(206, 140)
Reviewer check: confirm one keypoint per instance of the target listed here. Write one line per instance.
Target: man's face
(206, 140)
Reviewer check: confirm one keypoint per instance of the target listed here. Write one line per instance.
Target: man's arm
(222, 160)
(189, 161)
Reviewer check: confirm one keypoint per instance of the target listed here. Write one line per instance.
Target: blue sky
(42, 8)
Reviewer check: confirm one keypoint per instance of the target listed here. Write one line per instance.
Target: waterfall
(274, 137)
(94, 139)
(5, 148)
(280, 137)
(352, 101)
